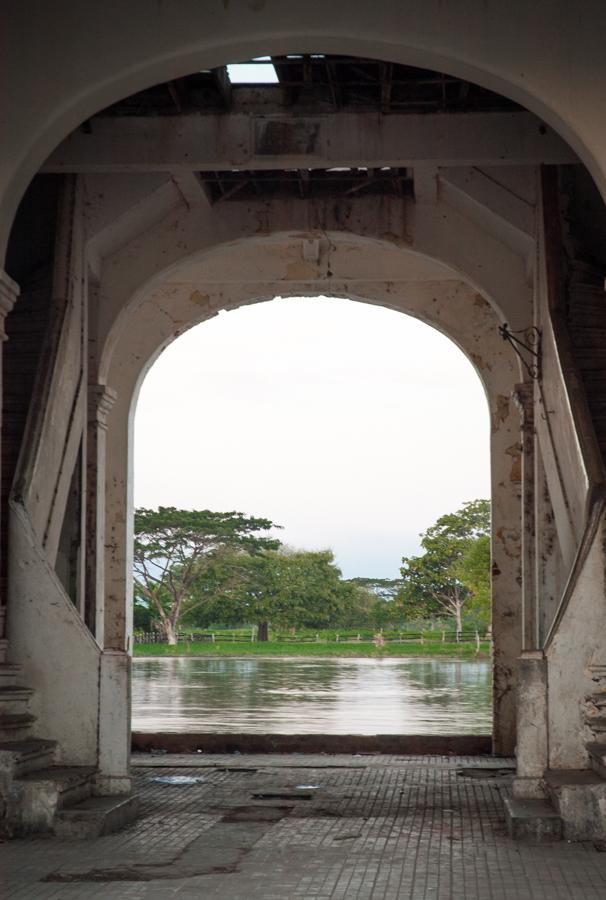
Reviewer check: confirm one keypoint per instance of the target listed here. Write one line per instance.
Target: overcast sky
(351, 425)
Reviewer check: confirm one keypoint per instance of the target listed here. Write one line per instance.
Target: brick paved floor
(322, 828)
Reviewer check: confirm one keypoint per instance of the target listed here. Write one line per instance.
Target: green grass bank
(355, 649)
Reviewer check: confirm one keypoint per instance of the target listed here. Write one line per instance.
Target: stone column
(100, 401)
(114, 724)
(505, 467)
(523, 396)
(532, 744)
(119, 527)
(116, 560)
(9, 292)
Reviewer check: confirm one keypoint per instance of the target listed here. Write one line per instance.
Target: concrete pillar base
(114, 723)
(106, 785)
(531, 751)
(528, 788)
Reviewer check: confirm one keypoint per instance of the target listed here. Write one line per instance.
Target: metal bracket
(531, 347)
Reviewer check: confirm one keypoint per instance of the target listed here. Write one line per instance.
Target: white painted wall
(47, 637)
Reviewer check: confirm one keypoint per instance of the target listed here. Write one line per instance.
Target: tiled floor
(321, 827)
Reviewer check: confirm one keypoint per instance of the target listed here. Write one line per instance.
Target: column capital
(101, 398)
(9, 291)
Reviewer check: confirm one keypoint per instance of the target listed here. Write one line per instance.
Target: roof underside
(320, 82)
(311, 83)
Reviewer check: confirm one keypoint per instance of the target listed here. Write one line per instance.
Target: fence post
(443, 636)
(477, 641)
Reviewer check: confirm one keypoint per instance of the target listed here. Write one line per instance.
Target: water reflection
(336, 696)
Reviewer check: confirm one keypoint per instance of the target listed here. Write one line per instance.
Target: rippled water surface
(308, 696)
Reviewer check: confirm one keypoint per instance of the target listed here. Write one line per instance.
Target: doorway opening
(354, 429)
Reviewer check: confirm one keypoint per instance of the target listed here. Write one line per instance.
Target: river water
(312, 696)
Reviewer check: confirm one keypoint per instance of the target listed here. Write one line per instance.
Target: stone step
(9, 672)
(20, 757)
(579, 795)
(96, 816)
(534, 820)
(14, 699)
(46, 791)
(15, 727)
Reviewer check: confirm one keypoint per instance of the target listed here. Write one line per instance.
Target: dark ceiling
(322, 83)
(315, 84)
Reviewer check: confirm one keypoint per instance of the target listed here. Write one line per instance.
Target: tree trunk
(458, 623)
(169, 632)
(263, 631)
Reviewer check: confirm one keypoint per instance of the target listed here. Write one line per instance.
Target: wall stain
(300, 271)
(480, 362)
(500, 411)
(199, 298)
(515, 474)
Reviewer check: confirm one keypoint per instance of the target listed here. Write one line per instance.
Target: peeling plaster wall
(577, 666)
(47, 637)
(442, 240)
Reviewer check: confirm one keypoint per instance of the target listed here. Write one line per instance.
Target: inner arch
(330, 400)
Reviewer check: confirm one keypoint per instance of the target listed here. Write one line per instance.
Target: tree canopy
(289, 588)
(454, 568)
(173, 545)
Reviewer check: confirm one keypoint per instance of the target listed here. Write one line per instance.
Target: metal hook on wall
(530, 346)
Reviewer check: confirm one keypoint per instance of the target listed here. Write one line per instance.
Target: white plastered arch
(193, 294)
(434, 239)
(547, 56)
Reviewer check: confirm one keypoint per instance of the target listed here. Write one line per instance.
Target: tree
(286, 588)
(450, 570)
(474, 572)
(380, 611)
(172, 547)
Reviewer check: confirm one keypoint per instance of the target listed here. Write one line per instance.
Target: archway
(353, 426)
(192, 292)
(499, 246)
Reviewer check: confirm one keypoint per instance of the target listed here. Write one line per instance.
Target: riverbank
(324, 649)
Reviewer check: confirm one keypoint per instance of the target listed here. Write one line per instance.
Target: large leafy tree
(173, 547)
(286, 588)
(450, 572)
(474, 572)
(376, 607)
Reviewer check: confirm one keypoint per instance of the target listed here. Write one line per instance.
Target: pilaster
(523, 397)
(100, 401)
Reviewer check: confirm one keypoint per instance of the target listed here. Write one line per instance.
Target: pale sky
(351, 425)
